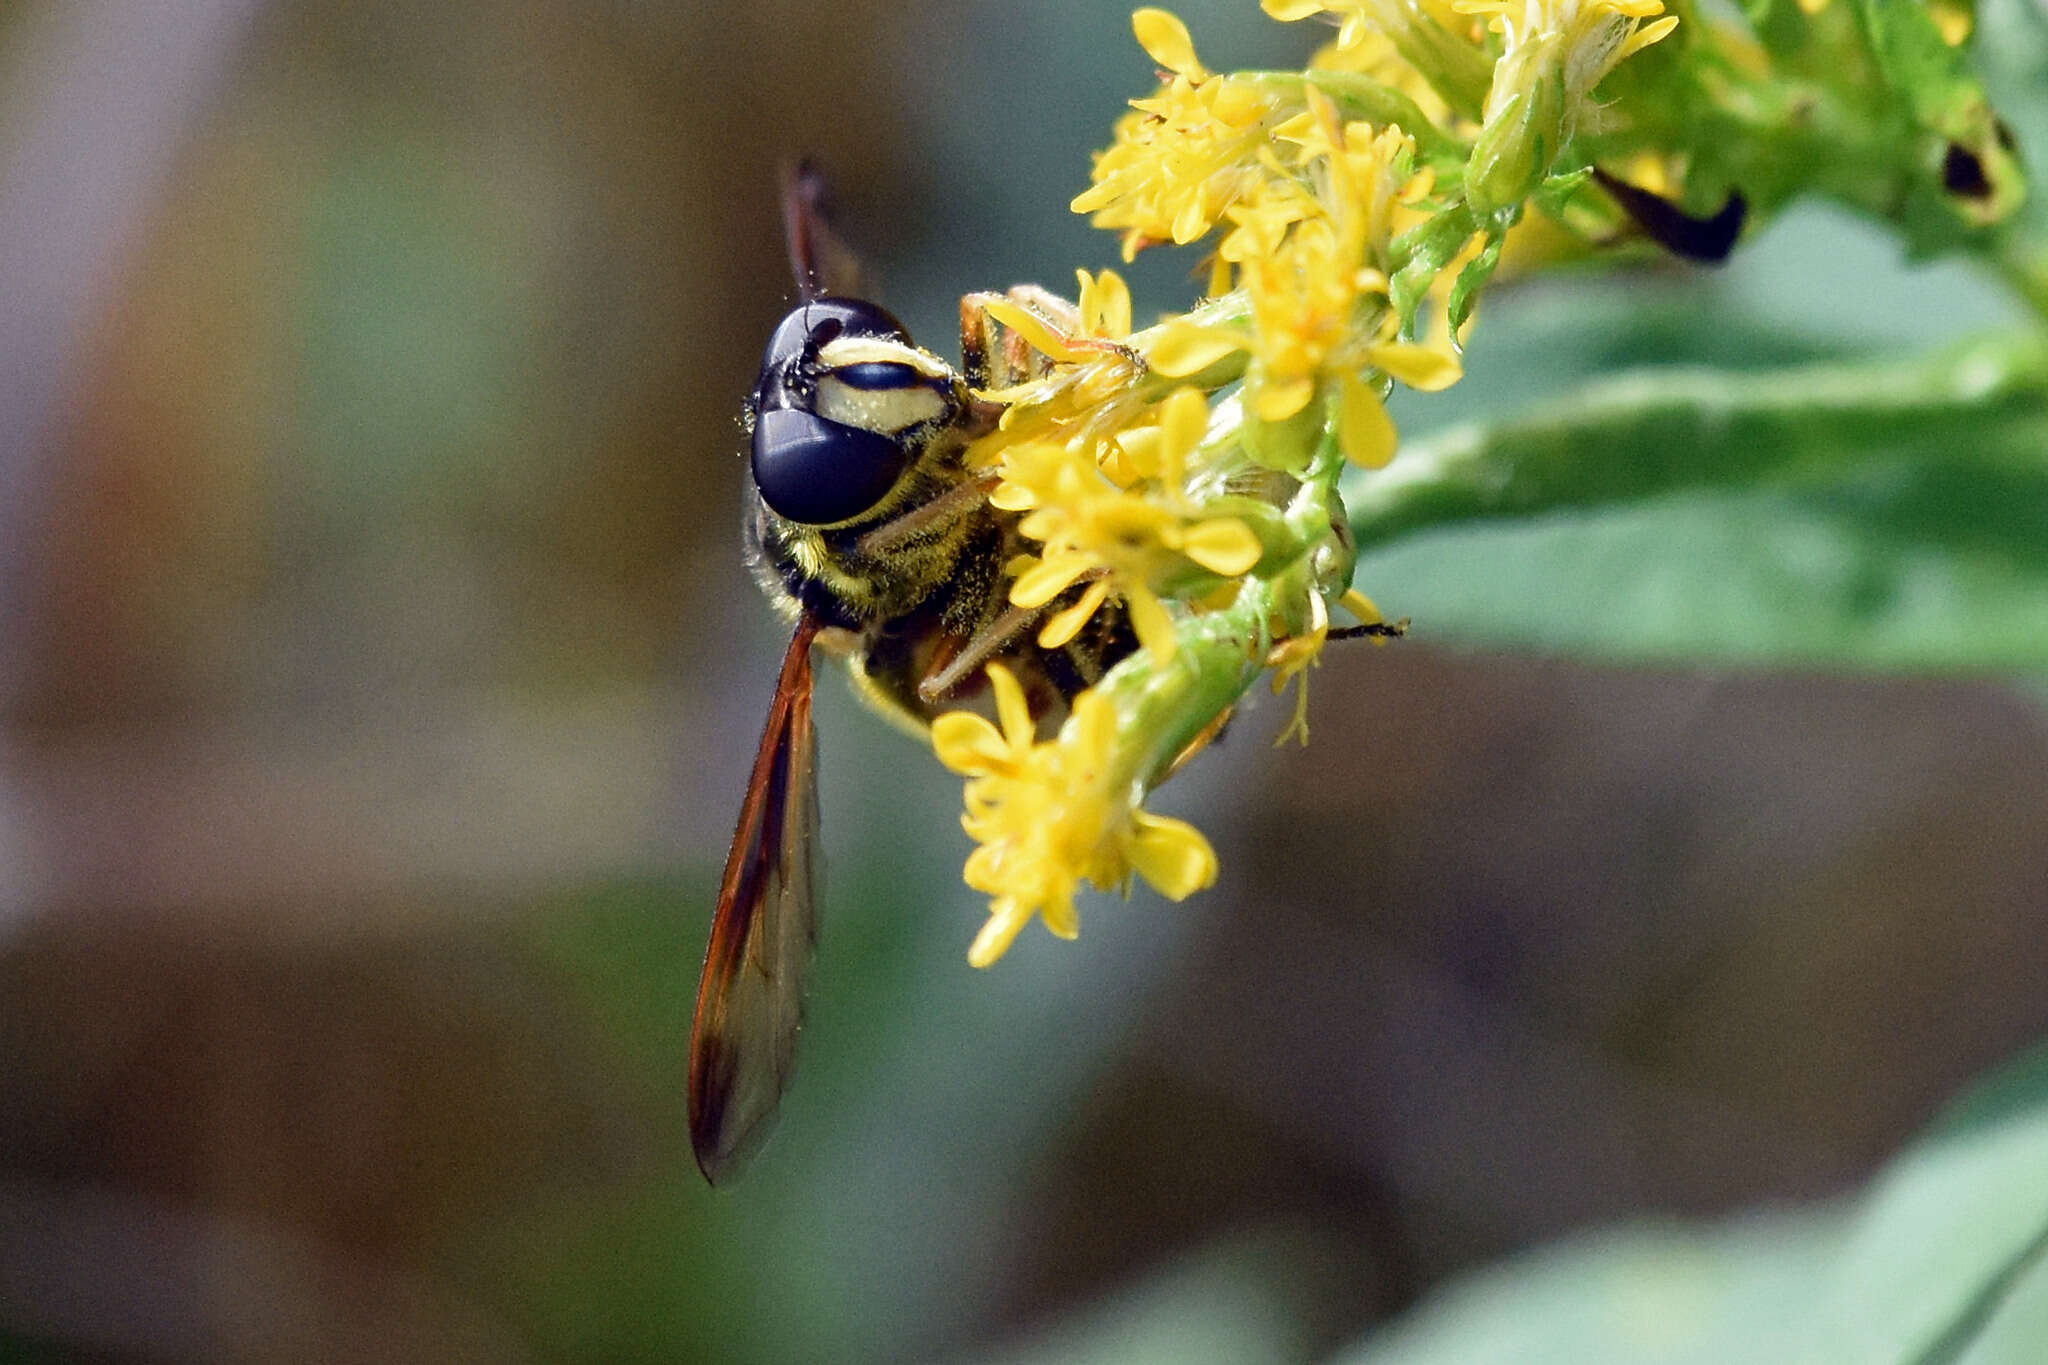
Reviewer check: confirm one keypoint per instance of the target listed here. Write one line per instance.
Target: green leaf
(1471, 280)
(1424, 250)
(1639, 1296)
(1946, 1259)
(1941, 1262)
(1240, 1301)
(1880, 515)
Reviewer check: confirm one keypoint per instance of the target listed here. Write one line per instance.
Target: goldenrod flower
(968, 744)
(1105, 302)
(1223, 567)
(1135, 541)
(1183, 156)
(1319, 316)
(1047, 816)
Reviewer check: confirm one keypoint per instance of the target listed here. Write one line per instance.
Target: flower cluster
(1184, 477)
(1183, 155)
(1123, 520)
(1049, 814)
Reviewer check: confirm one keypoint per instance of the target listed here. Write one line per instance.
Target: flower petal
(1647, 34)
(1047, 580)
(1170, 854)
(1006, 920)
(1011, 497)
(1060, 917)
(1167, 42)
(1364, 431)
(1187, 348)
(1287, 11)
(1278, 402)
(1184, 420)
(1361, 606)
(1139, 450)
(1067, 624)
(1034, 328)
(1105, 304)
(1419, 367)
(968, 744)
(1222, 545)
(1010, 706)
(1152, 623)
(1096, 196)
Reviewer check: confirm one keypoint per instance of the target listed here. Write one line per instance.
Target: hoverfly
(868, 532)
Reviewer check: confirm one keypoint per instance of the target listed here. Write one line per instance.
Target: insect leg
(1065, 316)
(938, 510)
(977, 338)
(994, 356)
(1382, 630)
(989, 641)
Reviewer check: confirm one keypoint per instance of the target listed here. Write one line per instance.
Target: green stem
(1220, 654)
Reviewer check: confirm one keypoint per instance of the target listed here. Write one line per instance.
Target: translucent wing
(821, 262)
(750, 1000)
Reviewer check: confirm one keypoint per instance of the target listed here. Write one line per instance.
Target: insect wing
(750, 1000)
(821, 262)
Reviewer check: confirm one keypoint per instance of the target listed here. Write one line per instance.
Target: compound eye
(817, 472)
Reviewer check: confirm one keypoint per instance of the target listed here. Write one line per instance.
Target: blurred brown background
(379, 679)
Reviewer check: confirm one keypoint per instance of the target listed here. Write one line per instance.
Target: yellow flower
(1047, 816)
(1183, 156)
(1135, 541)
(1597, 35)
(1105, 305)
(1314, 331)
(1104, 315)
(967, 743)
(1263, 217)
(1318, 298)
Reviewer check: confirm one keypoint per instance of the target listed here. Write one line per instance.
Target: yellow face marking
(881, 410)
(886, 408)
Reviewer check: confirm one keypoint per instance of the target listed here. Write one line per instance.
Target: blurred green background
(379, 679)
